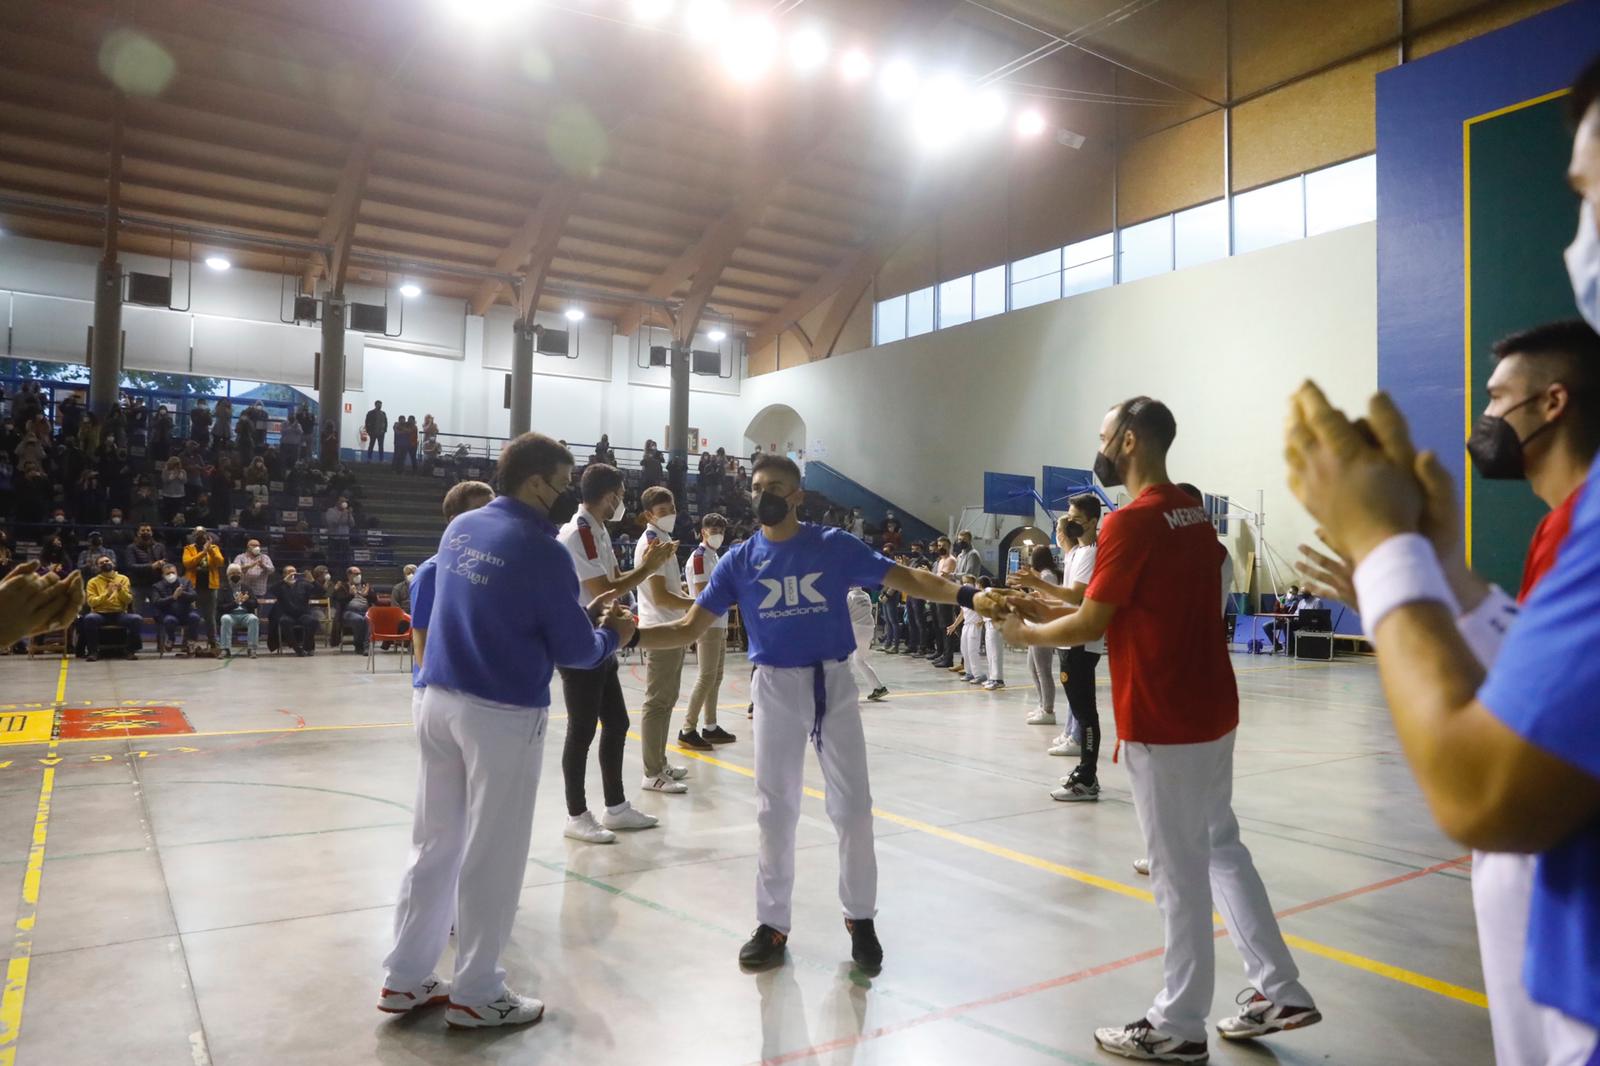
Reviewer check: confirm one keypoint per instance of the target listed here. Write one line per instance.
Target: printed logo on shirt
(762, 565)
(790, 590)
(1180, 517)
(468, 560)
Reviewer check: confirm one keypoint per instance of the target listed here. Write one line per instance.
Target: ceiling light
(717, 336)
(1031, 123)
(706, 19)
(411, 290)
(574, 314)
(898, 80)
(989, 108)
(487, 12)
(855, 65)
(651, 10)
(808, 50)
(217, 262)
(749, 48)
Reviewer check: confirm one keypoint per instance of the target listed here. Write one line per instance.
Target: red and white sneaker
(1259, 1016)
(508, 1009)
(429, 993)
(1141, 1040)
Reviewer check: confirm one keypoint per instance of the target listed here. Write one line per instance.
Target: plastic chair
(383, 623)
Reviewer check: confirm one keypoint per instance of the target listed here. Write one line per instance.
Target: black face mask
(1105, 469)
(771, 508)
(1497, 452)
(563, 508)
(1075, 530)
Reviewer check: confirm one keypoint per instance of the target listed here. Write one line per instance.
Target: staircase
(407, 508)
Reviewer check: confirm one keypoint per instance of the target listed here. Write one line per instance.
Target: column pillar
(105, 353)
(678, 417)
(523, 333)
(330, 380)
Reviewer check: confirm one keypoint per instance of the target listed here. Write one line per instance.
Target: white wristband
(1485, 627)
(1401, 570)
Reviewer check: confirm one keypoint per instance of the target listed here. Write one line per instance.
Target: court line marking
(1348, 958)
(15, 993)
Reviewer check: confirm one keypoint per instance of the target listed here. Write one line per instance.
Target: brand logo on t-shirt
(1180, 517)
(790, 590)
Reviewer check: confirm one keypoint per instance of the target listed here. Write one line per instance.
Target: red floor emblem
(113, 723)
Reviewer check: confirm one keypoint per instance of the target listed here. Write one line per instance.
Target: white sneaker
(664, 783)
(630, 817)
(1072, 791)
(1259, 1016)
(1141, 866)
(429, 993)
(583, 827)
(1066, 747)
(509, 1009)
(1141, 1040)
(677, 773)
(1039, 716)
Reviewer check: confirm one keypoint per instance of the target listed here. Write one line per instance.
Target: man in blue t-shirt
(463, 497)
(790, 582)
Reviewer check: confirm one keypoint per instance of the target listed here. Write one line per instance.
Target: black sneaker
(691, 739)
(877, 694)
(764, 948)
(715, 734)
(864, 946)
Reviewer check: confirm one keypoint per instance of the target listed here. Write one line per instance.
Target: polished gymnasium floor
(224, 896)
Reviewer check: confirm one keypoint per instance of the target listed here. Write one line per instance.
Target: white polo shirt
(701, 563)
(587, 541)
(652, 613)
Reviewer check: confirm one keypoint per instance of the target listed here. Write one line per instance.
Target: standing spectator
(257, 413)
(348, 603)
(200, 422)
(603, 452)
(377, 425)
(430, 428)
(175, 607)
(70, 415)
(713, 645)
(703, 486)
(890, 604)
(290, 438)
(291, 608)
(174, 488)
(337, 520)
(967, 559)
(145, 559)
(115, 426)
(222, 423)
(255, 566)
(110, 599)
(306, 420)
(161, 429)
(238, 607)
(88, 434)
(330, 445)
(246, 434)
(203, 567)
(89, 557)
(405, 442)
(650, 466)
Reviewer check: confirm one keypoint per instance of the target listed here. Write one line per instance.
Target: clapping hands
(33, 602)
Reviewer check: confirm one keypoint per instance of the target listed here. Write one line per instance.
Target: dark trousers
(948, 643)
(90, 625)
(375, 440)
(593, 699)
(891, 624)
(309, 623)
(1081, 698)
(356, 623)
(914, 625)
(190, 621)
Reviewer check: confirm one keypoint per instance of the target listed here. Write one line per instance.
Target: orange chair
(383, 623)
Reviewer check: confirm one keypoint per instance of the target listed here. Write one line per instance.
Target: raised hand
(621, 622)
(995, 603)
(32, 602)
(598, 606)
(659, 552)
(1331, 577)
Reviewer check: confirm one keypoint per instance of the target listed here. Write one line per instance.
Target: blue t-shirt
(505, 608)
(422, 606)
(1543, 686)
(791, 593)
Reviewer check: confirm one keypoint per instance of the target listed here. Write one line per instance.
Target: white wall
(919, 421)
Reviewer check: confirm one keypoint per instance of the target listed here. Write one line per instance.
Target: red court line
(1081, 975)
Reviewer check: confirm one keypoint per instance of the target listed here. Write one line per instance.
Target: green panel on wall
(1522, 215)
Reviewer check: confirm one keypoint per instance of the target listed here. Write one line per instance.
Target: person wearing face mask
(712, 649)
(292, 607)
(593, 694)
(338, 520)
(256, 566)
(967, 559)
(175, 608)
(110, 598)
(400, 591)
(661, 600)
(89, 557)
(142, 563)
(463, 496)
(238, 608)
(791, 582)
(203, 567)
(349, 600)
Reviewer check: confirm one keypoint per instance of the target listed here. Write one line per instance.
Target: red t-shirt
(1160, 565)
(1547, 539)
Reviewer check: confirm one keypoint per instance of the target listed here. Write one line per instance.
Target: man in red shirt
(1154, 596)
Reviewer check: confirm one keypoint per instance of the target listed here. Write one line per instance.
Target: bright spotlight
(1031, 123)
(898, 80)
(808, 50)
(574, 314)
(989, 108)
(855, 65)
(749, 48)
(717, 336)
(410, 290)
(484, 13)
(217, 262)
(651, 10)
(706, 19)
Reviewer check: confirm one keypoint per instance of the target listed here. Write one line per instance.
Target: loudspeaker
(369, 318)
(708, 363)
(151, 290)
(305, 308)
(507, 400)
(659, 355)
(552, 341)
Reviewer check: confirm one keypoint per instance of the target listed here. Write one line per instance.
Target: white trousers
(972, 650)
(862, 658)
(1184, 796)
(1525, 1033)
(786, 713)
(476, 781)
(995, 644)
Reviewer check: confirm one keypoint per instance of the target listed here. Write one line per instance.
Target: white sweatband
(1401, 570)
(1484, 628)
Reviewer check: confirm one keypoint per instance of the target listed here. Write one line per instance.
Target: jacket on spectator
(175, 600)
(237, 598)
(109, 593)
(258, 570)
(214, 565)
(144, 562)
(377, 422)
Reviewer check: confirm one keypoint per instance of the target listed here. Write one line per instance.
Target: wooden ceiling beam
(532, 248)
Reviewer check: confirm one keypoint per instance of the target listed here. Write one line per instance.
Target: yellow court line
(1348, 958)
(15, 992)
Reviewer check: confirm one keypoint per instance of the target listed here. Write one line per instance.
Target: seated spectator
(255, 517)
(53, 556)
(202, 513)
(292, 607)
(430, 428)
(175, 606)
(338, 519)
(400, 594)
(431, 454)
(238, 607)
(110, 599)
(350, 600)
(256, 567)
(144, 510)
(203, 567)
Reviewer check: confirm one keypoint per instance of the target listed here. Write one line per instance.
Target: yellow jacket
(191, 565)
(109, 593)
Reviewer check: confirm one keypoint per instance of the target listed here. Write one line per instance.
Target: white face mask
(714, 539)
(1583, 266)
(171, 579)
(619, 512)
(665, 522)
(255, 549)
